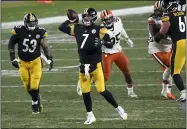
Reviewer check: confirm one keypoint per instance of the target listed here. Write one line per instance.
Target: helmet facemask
(31, 25)
(30, 22)
(108, 21)
(88, 20)
(158, 12)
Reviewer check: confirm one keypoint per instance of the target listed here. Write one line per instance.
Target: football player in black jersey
(88, 37)
(30, 38)
(174, 24)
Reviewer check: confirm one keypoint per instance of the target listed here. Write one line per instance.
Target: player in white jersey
(161, 52)
(115, 53)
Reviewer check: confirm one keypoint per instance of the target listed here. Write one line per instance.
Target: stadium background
(63, 108)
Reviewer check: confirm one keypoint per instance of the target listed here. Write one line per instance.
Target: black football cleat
(35, 109)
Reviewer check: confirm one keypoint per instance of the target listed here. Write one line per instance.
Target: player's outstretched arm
(164, 29)
(69, 25)
(128, 40)
(11, 47)
(47, 52)
(66, 27)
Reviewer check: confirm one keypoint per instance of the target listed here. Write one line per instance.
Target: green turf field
(63, 108)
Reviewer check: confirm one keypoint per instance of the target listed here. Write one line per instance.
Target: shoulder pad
(43, 32)
(117, 19)
(165, 17)
(16, 29)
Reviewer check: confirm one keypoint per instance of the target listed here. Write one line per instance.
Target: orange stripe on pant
(163, 58)
(120, 60)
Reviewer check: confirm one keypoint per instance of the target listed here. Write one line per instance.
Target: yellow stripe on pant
(97, 76)
(31, 73)
(178, 57)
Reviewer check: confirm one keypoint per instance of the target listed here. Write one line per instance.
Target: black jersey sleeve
(43, 32)
(12, 42)
(67, 28)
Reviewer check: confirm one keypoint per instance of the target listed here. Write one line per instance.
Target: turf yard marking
(60, 19)
(78, 59)
(75, 49)
(59, 70)
(80, 101)
(65, 86)
(67, 40)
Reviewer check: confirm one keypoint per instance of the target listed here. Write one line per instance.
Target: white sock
(130, 89)
(170, 84)
(166, 74)
(34, 103)
(183, 91)
(90, 113)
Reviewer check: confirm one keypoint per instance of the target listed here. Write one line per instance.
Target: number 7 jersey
(28, 42)
(118, 31)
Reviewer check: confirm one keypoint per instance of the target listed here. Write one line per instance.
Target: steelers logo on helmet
(89, 16)
(30, 21)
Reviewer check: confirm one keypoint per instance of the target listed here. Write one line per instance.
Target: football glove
(50, 62)
(79, 90)
(130, 43)
(86, 70)
(15, 63)
(158, 37)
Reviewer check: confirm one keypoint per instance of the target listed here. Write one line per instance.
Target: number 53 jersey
(28, 42)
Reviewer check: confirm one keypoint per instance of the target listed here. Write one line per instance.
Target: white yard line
(79, 101)
(60, 70)
(117, 118)
(75, 49)
(78, 59)
(60, 19)
(64, 86)
(69, 40)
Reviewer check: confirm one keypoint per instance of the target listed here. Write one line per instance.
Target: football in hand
(72, 15)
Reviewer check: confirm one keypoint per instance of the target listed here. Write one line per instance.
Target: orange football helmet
(107, 17)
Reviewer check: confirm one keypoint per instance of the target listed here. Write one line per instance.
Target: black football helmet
(89, 16)
(30, 21)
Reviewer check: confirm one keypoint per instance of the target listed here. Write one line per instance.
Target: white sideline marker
(60, 19)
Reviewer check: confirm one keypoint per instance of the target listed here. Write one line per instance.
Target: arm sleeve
(124, 33)
(13, 40)
(151, 29)
(67, 28)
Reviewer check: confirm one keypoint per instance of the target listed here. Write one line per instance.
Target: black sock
(34, 94)
(178, 81)
(30, 92)
(128, 78)
(108, 96)
(87, 101)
